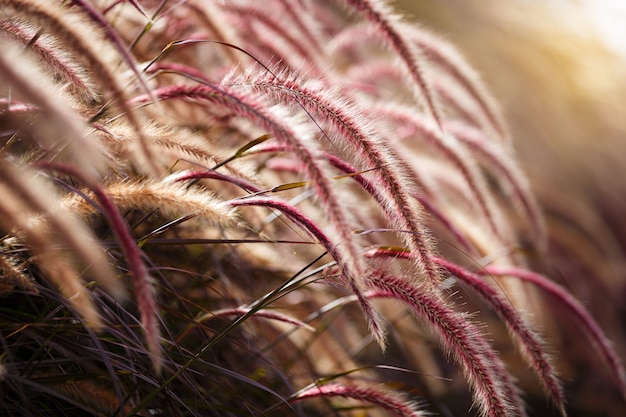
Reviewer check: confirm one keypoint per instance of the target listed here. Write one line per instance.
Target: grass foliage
(249, 208)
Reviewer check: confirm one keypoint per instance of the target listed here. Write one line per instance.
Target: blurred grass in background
(558, 68)
(561, 86)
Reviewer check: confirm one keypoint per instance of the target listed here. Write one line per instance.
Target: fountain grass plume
(373, 319)
(528, 341)
(380, 398)
(589, 326)
(493, 389)
(391, 30)
(348, 129)
(66, 26)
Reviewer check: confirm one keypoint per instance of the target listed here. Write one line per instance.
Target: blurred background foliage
(558, 68)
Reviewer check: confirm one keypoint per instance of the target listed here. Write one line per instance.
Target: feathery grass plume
(180, 144)
(69, 29)
(479, 107)
(337, 162)
(349, 130)
(464, 78)
(392, 31)
(375, 192)
(500, 163)
(305, 24)
(268, 118)
(289, 47)
(455, 153)
(376, 78)
(25, 186)
(168, 198)
(307, 148)
(114, 38)
(422, 198)
(142, 282)
(263, 313)
(56, 59)
(382, 81)
(182, 147)
(58, 120)
(577, 311)
(213, 19)
(13, 275)
(14, 215)
(528, 341)
(380, 398)
(447, 223)
(452, 61)
(67, 228)
(171, 200)
(372, 317)
(494, 391)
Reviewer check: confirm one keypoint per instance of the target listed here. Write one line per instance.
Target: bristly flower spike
(499, 161)
(347, 128)
(55, 59)
(373, 319)
(456, 154)
(578, 311)
(142, 282)
(529, 343)
(255, 110)
(379, 398)
(494, 391)
(451, 60)
(392, 30)
(57, 20)
(290, 45)
(115, 39)
(14, 215)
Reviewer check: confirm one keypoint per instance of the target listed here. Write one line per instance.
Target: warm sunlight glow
(609, 20)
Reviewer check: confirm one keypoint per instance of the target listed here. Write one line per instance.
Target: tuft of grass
(253, 208)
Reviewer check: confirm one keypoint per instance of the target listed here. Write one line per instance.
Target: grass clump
(209, 210)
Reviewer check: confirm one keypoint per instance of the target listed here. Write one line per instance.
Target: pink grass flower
(587, 323)
(379, 398)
